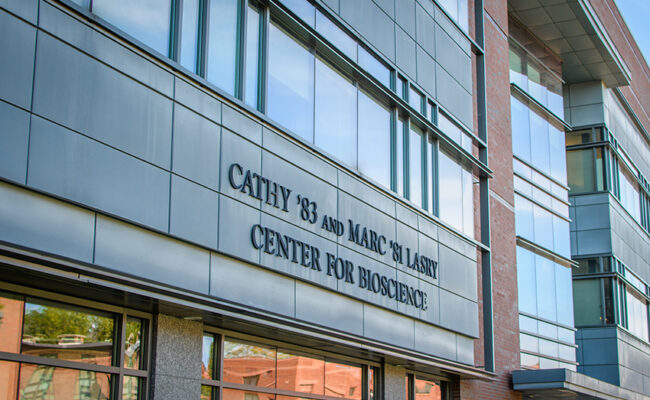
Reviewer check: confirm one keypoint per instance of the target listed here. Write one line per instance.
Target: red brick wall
(504, 283)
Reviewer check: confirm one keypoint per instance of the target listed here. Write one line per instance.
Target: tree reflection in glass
(66, 332)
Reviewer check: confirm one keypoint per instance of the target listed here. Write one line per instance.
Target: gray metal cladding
(18, 42)
(196, 147)
(45, 224)
(142, 253)
(74, 90)
(194, 212)
(134, 153)
(14, 136)
(75, 167)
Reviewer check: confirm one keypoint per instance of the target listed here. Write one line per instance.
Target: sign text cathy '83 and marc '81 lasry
(300, 252)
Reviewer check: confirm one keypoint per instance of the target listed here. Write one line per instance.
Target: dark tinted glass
(65, 332)
(300, 373)
(249, 364)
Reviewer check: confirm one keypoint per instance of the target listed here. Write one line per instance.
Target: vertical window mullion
(264, 60)
(205, 38)
(407, 158)
(175, 30)
(240, 55)
(423, 167)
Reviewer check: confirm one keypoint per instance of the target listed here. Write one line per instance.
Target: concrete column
(394, 382)
(176, 358)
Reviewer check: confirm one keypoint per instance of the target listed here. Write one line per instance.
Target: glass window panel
(580, 170)
(291, 83)
(545, 363)
(11, 324)
(541, 180)
(249, 364)
(522, 169)
(539, 141)
(463, 15)
(431, 152)
(300, 373)
(564, 292)
(222, 44)
(207, 357)
(629, 192)
(543, 227)
(526, 281)
(44, 382)
(399, 157)
(450, 192)
(343, 381)
(637, 314)
(146, 20)
(303, 9)
(130, 388)
(189, 34)
(374, 139)
(527, 324)
(468, 203)
(371, 384)
(524, 218)
(561, 237)
(252, 56)
(548, 330)
(206, 392)
(523, 187)
(336, 114)
(375, 67)
(231, 394)
(451, 6)
(401, 87)
(415, 99)
(69, 333)
(520, 117)
(449, 128)
(529, 361)
(548, 348)
(83, 3)
(133, 342)
(557, 153)
(518, 69)
(587, 303)
(529, 343)
(415, 165)
(542, 197)
(565, 335)
(8, 380)
(427, 389)
(336, 36)
(567, 353)
(535, 86)
(546, 297)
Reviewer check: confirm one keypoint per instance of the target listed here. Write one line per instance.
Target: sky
(637, 16)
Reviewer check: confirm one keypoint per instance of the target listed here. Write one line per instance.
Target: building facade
(328, 199)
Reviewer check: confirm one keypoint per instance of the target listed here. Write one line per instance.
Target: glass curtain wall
(615, 296)
(238, 47)
(544, 280)
(71, 351)
(243, 369)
